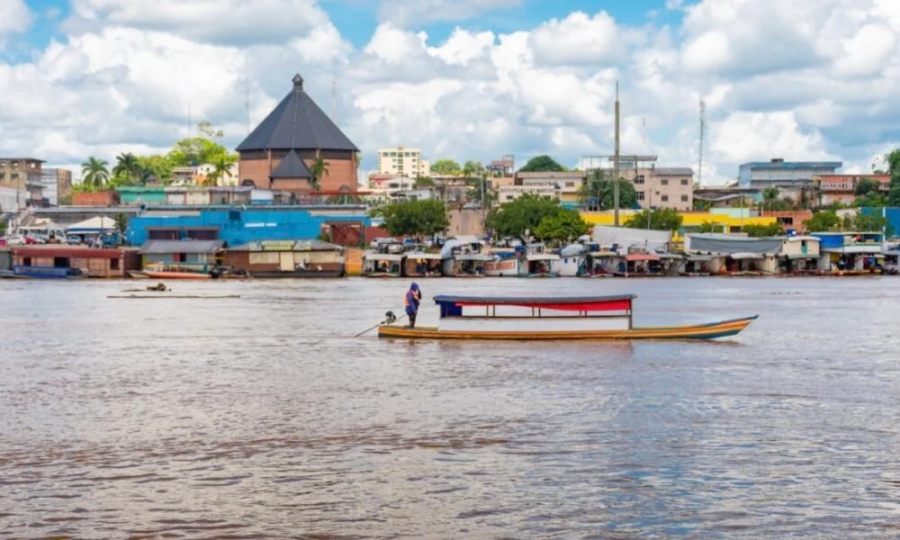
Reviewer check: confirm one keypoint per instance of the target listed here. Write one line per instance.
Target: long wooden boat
(46, 272)
(559, 318)
(165, 274)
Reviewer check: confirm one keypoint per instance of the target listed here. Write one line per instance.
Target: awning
(747, 256)
(542, 257)
(635, 257)
(670, 256)
(701, 258)
(424, 256)
(384, 256)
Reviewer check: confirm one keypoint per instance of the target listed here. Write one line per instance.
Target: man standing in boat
(413, 298)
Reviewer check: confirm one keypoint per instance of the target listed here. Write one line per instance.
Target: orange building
(297, 132)
(841, 188)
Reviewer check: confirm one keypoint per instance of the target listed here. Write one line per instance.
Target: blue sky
(495, 76)
(358, 19)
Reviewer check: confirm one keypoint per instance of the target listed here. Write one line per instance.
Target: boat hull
(502, 268)
(299, 274)
(177, 275)
(692, 332)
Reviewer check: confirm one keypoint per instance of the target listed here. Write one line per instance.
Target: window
(640, 195)
(570, 184)
(114, 264)
(684, 181)
(665, 198)
(684, 198)
(639, 179)
(664, 182)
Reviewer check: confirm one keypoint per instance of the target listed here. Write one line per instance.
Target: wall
(341, 172)
(138, 196)
(250, 226)
(96, 198)
(466, 223)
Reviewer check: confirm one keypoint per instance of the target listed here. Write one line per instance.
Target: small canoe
(599, 318)
(177, 275)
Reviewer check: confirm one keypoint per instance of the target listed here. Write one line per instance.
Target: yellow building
(726, 220)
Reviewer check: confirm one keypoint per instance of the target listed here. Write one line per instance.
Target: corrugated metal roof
(291, 167)
(297, 123)
(287, 245)
(180, 246)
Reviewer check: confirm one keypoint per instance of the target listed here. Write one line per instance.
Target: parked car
(73, 239)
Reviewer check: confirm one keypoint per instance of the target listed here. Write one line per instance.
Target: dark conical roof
(291, 167)
(297, 123)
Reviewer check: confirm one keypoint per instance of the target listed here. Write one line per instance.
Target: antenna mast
(616, 162)
(702, 140)
(247, 102)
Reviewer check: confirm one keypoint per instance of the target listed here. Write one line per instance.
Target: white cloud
(407, 12)
(867, 52)
(755, 136)
(15, 18)
(799, 79)
(578, 39)
(462, 47)
(221, 21)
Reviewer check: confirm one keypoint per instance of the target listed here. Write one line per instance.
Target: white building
(402, 161)
(511, 193)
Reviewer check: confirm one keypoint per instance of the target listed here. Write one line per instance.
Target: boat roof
(535, 301)
(421, 255)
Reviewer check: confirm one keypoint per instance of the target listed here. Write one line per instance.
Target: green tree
(542, 164)
(663, 219)
(565, 226)
(155, 165)
(414, 218)
(770, 198)
(762, 231)
(823, 221)
(121, 223)
(446, 167)
(222, 170)
(709, 227)
(319, 169)
(94, 172)
(472, 169)
(424, 182)
(128, 169)
(517, 218)
(599, 192)
(865, 186)
(870, 223)
(893, 162)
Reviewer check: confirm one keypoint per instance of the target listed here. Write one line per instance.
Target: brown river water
(263, 417)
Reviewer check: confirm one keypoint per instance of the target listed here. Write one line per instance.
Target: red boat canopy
(570, 303)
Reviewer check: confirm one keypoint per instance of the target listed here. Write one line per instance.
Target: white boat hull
(503, 268)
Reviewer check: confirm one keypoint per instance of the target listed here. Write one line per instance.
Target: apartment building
(567, 185)
(57, 186)
(401, 161)
(663, 187)
(23, 175)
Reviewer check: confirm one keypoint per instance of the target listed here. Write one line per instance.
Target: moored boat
(503, 266)
(46, 272)
(555, 318)
(174, 274)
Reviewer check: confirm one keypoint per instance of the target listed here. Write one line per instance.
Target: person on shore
(413, 298)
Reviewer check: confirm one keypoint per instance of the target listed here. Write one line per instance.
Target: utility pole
(702, 137)
(616, 163)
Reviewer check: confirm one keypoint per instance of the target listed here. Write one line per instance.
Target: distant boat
(170, 274)
(555, 318)
(45, 272)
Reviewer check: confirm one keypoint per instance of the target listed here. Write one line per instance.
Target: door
(286, 262)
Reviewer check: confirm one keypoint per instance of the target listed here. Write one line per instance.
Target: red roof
(642, 257)
(66, 252)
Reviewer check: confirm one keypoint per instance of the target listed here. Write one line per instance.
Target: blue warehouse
(241, 225)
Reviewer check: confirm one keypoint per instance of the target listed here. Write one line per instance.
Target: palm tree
(318, 169)
(222, 169)
(94, 172)
(770, 196)
(127, 165)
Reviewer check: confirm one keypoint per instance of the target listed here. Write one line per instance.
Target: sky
(461, 79)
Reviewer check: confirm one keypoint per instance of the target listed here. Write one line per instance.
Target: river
(263, 417)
